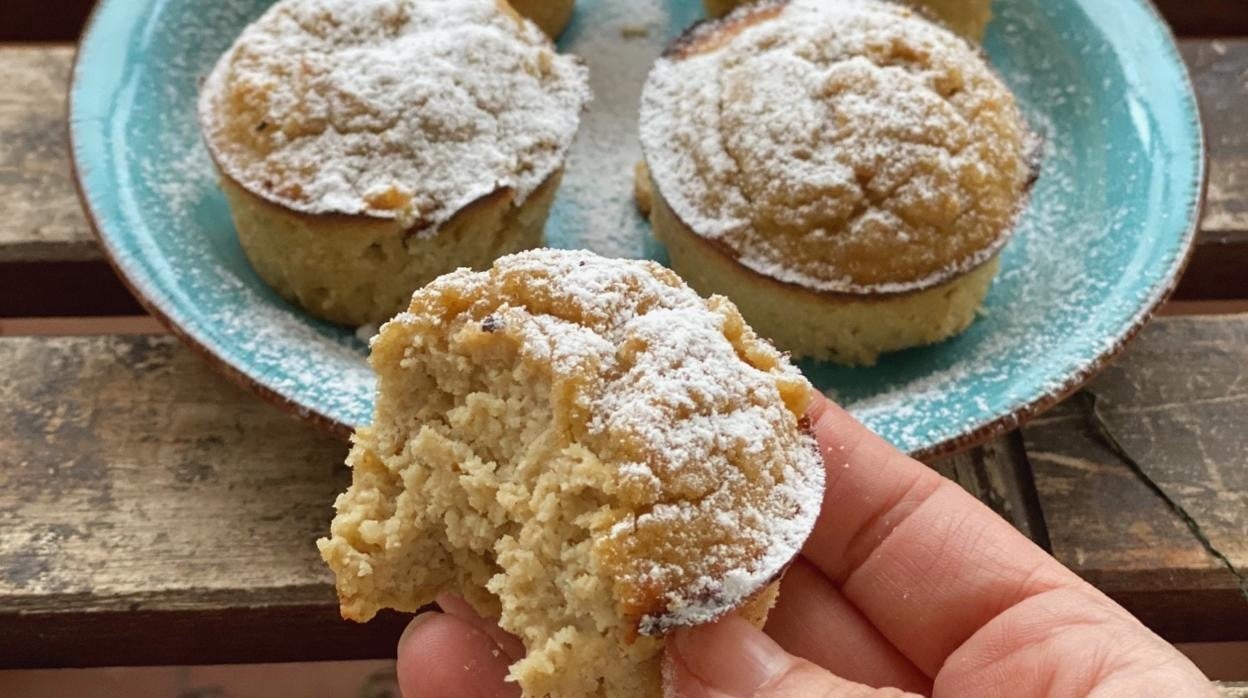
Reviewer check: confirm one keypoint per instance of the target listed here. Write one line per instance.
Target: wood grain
(999, 475)
(151, 512)
(62, 326)
(49, 261)
(42, 219)
(43, 222)
(1177, 401)
(1220, 74)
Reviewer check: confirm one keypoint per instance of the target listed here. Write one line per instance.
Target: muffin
(367, 146)
(584, 448)
(966, 17)
(846, 172)
(551, 15)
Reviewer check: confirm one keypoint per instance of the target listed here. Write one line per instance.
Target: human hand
(906, 582)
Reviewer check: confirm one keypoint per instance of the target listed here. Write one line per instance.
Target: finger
(441, 655)
(813, 620)
(733, 658)
(926, 563)
(1068, 642)
(458, 607)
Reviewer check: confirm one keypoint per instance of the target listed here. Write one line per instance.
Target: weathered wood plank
(63, 326)
(1220, 74)
(49, 261)
(1177, 402)
(43, 222)
(146, 501)
(1219, 71)
(143, 498)
(151, 512)
(998, 474)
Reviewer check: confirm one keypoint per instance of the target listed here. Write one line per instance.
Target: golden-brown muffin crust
(848, 147)
(400, 109)
(585, 448)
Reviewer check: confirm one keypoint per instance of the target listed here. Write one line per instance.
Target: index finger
(926, 562)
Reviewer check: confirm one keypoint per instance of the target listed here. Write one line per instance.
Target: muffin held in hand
(846, 172)
(551, 15)
(367, 146)
(966, 17)
(584, 448)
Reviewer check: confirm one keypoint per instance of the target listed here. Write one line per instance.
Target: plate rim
(1162, 289)
(134, 285)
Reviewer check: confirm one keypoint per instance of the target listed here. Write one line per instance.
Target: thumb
(732, 659)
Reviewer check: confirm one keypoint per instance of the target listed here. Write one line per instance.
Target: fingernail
(730, 656)
(411, 627)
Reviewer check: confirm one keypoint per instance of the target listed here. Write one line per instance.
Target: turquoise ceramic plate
(1106, 233)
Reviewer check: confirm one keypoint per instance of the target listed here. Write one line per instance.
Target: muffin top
(689, 429)
(402, 109)
(845, 146)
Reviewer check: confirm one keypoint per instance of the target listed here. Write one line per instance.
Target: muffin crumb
(584, 448)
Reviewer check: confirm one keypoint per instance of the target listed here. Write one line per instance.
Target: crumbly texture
(551, 15)
(585, 448)
(357, 270)
(847, 146)
(395, 109)
(966, 17)
(844, 328)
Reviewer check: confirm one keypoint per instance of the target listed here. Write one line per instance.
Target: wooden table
(151, 512)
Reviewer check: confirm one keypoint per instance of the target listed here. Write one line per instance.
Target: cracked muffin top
(846, 146)
(406, 109)
(711, 477)
(585, 448)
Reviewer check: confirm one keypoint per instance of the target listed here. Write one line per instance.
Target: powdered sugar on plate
(619, 42)
(231, 312)
(1104, 232)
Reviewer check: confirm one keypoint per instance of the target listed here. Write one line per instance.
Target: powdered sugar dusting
(723, 482)
(287, 352)
(1103, 231)
(619, 42)
(841, 146)
(391, 108)
(1065, 293)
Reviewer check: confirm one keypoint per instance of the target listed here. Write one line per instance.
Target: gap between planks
(44, 223)
(1176, 402)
